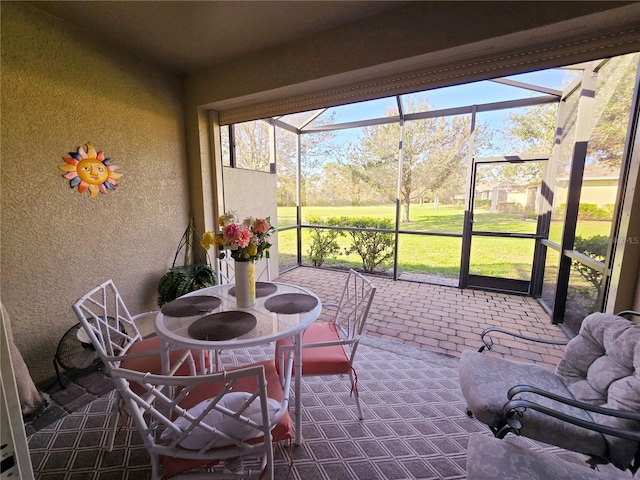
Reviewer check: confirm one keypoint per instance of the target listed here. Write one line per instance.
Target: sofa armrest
(515, 407)
(488, 341)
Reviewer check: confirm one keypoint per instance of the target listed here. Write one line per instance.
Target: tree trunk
(31, 399)
(405, 210)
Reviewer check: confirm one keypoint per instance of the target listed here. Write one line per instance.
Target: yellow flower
(252, 249)
(207, 240)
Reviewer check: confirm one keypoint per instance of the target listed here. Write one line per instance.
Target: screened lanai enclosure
(512, 184)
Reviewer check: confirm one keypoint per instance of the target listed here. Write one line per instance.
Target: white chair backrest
(201, 417)
(107, 322)
(226, 271)
(354, 305)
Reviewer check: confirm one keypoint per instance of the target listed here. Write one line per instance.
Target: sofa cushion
(490, 458)
(601, 366)
(485, 380)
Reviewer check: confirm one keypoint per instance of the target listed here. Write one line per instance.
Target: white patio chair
(329, 348)
(113, 333)
(209, 421)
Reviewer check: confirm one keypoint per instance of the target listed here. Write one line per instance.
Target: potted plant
(183, 279)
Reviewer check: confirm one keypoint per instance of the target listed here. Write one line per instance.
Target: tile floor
(441, 319)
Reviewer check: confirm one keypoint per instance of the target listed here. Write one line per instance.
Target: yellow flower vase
(245, 280)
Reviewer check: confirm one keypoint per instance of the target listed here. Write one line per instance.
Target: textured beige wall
(62, 89)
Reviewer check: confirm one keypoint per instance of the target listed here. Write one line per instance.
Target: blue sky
(456, 96)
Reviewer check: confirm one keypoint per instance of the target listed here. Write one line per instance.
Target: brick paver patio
(441, 318)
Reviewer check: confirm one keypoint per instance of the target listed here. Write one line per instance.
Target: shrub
(588, 211)
(510, 207)
(324, 241)
(591, 211)
(596, 248)
(375, 248)
(486, 203)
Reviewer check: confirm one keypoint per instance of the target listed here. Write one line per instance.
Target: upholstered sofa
(489, 458)
(594, 391)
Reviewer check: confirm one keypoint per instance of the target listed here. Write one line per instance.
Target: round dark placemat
(291, 303)
(222, 326)
(263, 289)
(188, 306)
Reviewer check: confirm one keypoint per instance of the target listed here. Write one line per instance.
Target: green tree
(616, 81)
(252, 150)
(532, 131)
(596, 248)
(434, 157)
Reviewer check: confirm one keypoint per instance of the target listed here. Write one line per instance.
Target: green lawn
(502, 257)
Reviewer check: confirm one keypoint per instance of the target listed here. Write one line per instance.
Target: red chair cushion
(330, 360)
(152, 363)
(282, 431)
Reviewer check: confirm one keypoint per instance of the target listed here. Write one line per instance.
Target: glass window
(286, 171)
(469, 94)
(518, 131)
(616, 80)
(507, 197)
(550, 280)
(287, 249)
(555, 78)
(354, 112)
(352, 178)
(225, 146)
(299, 119)
(563, 157)
(583, 294)
(252, 145)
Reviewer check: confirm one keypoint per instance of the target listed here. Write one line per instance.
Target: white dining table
(179, 329)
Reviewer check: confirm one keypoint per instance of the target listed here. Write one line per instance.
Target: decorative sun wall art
(90, 170)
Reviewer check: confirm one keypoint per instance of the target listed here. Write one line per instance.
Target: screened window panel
(432, 258)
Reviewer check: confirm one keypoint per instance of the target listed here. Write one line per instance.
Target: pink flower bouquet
(245, 241)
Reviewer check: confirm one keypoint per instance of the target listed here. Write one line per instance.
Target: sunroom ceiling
(191, 35)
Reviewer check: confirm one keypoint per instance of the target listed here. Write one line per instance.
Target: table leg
(298, 389)
(164, 356)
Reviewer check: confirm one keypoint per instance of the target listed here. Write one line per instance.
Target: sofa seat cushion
(485, 380)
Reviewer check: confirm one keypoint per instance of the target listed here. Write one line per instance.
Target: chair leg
(356, 394)
(113, 423)
(155, 466)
